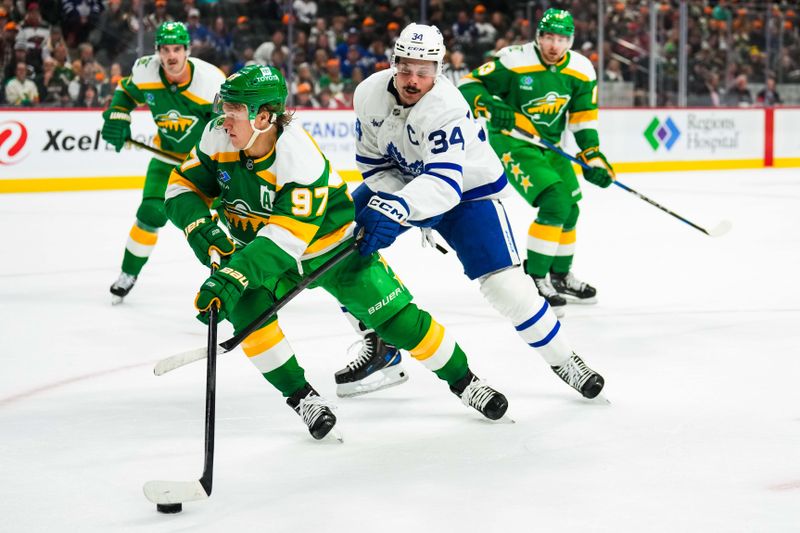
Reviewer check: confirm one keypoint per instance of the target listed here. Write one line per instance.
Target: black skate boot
(580, 377)
(573, 289)
(314, 410)
(476, 393)
(376, 367)
(546, 291)
(121, 287)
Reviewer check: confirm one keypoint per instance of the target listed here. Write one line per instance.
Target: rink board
(60, 150)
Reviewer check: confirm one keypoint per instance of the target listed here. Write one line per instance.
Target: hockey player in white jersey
(426, 162)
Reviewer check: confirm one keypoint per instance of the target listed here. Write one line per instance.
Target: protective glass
(230, 110)
(420, 71)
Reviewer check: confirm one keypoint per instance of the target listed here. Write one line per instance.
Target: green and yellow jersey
(546, 98)
(283, 208)
(180, 112)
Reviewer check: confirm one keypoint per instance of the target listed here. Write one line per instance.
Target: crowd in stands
(72, 53)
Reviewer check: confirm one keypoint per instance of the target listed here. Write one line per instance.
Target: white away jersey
(433, 154)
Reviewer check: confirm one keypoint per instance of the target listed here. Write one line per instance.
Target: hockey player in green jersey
(179, 91)
(542, 88)
(288, 213)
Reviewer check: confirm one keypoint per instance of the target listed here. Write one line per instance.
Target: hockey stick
(720, 229)
(178, 360)
(169, 495)
(152, 149)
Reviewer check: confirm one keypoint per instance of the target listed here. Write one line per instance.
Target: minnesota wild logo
(546, 109)
(175, 126)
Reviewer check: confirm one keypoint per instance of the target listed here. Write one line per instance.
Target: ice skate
(573, 289)
(580, 377)
(376, 367)
(557, 302)
(315, 412)
(120, 288)
(477, 394)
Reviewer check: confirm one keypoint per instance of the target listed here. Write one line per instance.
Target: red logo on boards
(13, 135)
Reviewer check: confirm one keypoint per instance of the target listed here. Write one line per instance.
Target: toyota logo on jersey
(13, 135)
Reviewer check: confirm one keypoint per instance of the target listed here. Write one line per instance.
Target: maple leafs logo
(393, 154)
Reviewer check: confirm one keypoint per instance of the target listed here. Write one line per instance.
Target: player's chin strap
(257, 132)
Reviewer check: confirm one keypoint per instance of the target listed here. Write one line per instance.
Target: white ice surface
(697, 338)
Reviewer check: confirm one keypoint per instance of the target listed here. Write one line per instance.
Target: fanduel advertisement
(67, 144)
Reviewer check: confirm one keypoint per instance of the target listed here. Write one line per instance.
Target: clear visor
(420, 71)
(230, 110)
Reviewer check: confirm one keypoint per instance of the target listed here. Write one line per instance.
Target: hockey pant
(370, 289)
(480, 234)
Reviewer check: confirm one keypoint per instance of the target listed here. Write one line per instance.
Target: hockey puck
(169, 508)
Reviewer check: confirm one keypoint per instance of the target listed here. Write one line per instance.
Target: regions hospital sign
(52, 150)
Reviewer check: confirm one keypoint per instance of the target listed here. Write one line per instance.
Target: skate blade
(505, 419)
(600, 399)
(559, 311)
(335, 436)
(116, 300)
(382, 379)
(580, 301)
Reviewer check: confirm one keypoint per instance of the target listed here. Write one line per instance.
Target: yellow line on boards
(70, 184)
(24, 185)
(785, 162)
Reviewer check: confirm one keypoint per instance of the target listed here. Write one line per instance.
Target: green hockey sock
(287, 378)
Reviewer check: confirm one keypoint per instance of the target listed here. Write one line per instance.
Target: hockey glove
(381, 220)
(223, 288)
(600, 172)
(116, 127)
(204, 236)
(501, 115)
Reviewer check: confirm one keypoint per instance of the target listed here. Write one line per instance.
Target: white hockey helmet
(420, 41)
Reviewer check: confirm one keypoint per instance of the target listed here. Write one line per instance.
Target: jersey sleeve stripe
(591, 125)
(485, 190)
(583, 116)
(450, 166)
(451, 182)
(283, 239)
(302, 230)
(331, 239)
(179, 185)
(370, 160)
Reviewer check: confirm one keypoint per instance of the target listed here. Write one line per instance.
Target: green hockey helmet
(172, 33)
(254, 86)
(558, 21)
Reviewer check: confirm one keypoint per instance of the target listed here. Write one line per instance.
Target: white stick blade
(174, 491)
(178, 360)
(721, 229)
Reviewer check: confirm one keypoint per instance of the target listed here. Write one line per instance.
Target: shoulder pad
(582, 65)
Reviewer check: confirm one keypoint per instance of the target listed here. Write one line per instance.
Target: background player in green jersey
(288, 212)
(542, 88)
(179, 91)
